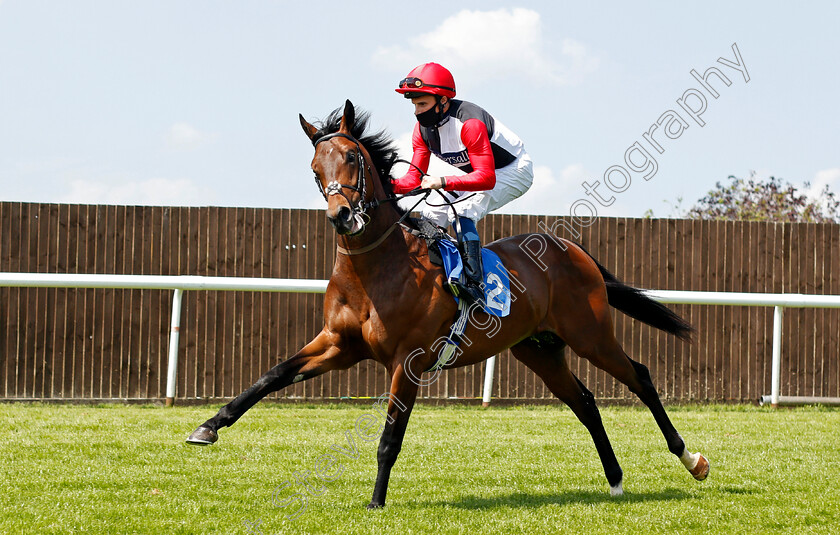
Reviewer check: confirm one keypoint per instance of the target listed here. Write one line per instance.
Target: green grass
(126, 469)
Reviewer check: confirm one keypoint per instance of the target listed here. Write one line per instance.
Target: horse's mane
(381, 147)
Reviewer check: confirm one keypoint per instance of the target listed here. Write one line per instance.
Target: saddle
(443, 251)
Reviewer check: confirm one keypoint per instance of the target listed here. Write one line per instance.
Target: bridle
(359, 211)
(335, 188)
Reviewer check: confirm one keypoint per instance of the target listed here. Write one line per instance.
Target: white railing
(179, 283)
(778, 301)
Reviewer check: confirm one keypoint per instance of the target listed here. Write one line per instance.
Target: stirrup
(472, 293)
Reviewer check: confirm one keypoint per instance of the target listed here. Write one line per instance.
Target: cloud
(479, 45)
(826, 177)
(148, 192)
(186, 136)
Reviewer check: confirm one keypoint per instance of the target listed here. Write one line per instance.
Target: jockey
(498, 170)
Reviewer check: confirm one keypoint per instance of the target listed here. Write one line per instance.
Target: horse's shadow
(526, 500)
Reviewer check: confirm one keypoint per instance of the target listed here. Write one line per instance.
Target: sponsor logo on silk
(456, 158)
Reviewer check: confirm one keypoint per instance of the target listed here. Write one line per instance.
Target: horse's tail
(634, 303)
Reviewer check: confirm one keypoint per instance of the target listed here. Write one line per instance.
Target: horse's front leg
(401, 400)
(322, 354)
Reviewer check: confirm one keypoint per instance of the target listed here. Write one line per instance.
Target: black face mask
(430, 117)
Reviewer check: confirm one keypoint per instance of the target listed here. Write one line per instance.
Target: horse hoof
(701, 470)
(617, 490)
(371, 506)
(203, 436)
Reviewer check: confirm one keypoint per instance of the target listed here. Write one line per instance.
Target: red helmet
(428, 79)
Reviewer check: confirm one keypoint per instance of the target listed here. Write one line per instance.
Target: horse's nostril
(342, 218)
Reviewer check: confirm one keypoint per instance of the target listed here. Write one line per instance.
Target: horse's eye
(351, 157)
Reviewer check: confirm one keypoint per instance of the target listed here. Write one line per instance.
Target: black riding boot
(473, 271)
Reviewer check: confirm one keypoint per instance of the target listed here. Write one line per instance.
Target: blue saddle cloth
(496, 279)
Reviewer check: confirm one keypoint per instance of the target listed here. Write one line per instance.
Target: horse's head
(342, 172)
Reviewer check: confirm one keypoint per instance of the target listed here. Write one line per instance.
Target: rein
(388, 232)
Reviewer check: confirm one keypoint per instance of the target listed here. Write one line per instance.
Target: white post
(777, 356)
(174, 336)
(488, 381)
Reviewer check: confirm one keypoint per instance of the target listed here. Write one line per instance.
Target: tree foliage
(752, 199)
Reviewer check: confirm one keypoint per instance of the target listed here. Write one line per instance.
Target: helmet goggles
(417, 83)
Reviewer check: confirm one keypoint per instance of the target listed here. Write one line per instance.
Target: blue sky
(196, 103)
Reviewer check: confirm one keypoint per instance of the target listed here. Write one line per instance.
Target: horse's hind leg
(696, 463)
(603, 350)
(548, 362)
(319, 356)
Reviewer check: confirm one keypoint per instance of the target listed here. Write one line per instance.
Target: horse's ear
(349, 118)
(307, 128)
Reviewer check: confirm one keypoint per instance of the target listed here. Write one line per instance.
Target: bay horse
(385, 300)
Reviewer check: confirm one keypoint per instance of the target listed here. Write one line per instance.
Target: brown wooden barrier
(112, 344)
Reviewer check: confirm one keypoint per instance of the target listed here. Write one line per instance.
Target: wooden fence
(112, 344)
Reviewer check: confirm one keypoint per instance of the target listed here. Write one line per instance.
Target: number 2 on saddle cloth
(496, 282)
